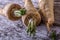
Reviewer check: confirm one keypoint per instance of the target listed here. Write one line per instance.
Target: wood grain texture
(57, 13)
(57, 0)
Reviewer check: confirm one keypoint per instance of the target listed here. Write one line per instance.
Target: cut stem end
(31, 27)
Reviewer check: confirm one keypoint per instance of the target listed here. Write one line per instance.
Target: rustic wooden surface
(57, 12)
(15, 30)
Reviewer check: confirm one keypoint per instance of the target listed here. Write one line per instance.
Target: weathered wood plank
(57, 13)
(57, 0)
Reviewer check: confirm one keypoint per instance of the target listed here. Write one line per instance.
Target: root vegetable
(8, 11)
(46, 7)
(29, 16)
(31, 13)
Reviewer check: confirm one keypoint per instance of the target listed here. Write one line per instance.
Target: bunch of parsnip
(31, 17)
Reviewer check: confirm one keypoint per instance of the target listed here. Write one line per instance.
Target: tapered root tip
(1, 10)
(48, 27)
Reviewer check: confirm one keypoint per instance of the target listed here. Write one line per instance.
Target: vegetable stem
(20, 12)
(31, 27)
(53, 35)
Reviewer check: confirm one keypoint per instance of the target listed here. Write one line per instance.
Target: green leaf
(22, 11)
(31, 28)
(53, 35)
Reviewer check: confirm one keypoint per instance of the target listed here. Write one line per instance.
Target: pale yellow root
(47, 6)
(27, 17)
(48, 27)
(49, 23)
(31, 13)
(8, 11)
(28, 5)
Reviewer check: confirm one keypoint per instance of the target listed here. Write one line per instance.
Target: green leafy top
(20, 12)
(53, 35)
(31, 28)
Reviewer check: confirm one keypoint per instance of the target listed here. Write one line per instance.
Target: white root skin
(8, 11)
(47, 6)
(31, 11)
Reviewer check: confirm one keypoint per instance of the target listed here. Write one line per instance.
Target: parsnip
(32, 17)
(31, 13)
(9, 9)
(46, 7)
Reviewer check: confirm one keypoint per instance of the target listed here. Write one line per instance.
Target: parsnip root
(46, 7)
(8, 11)
(31, 13)
(29, 16)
